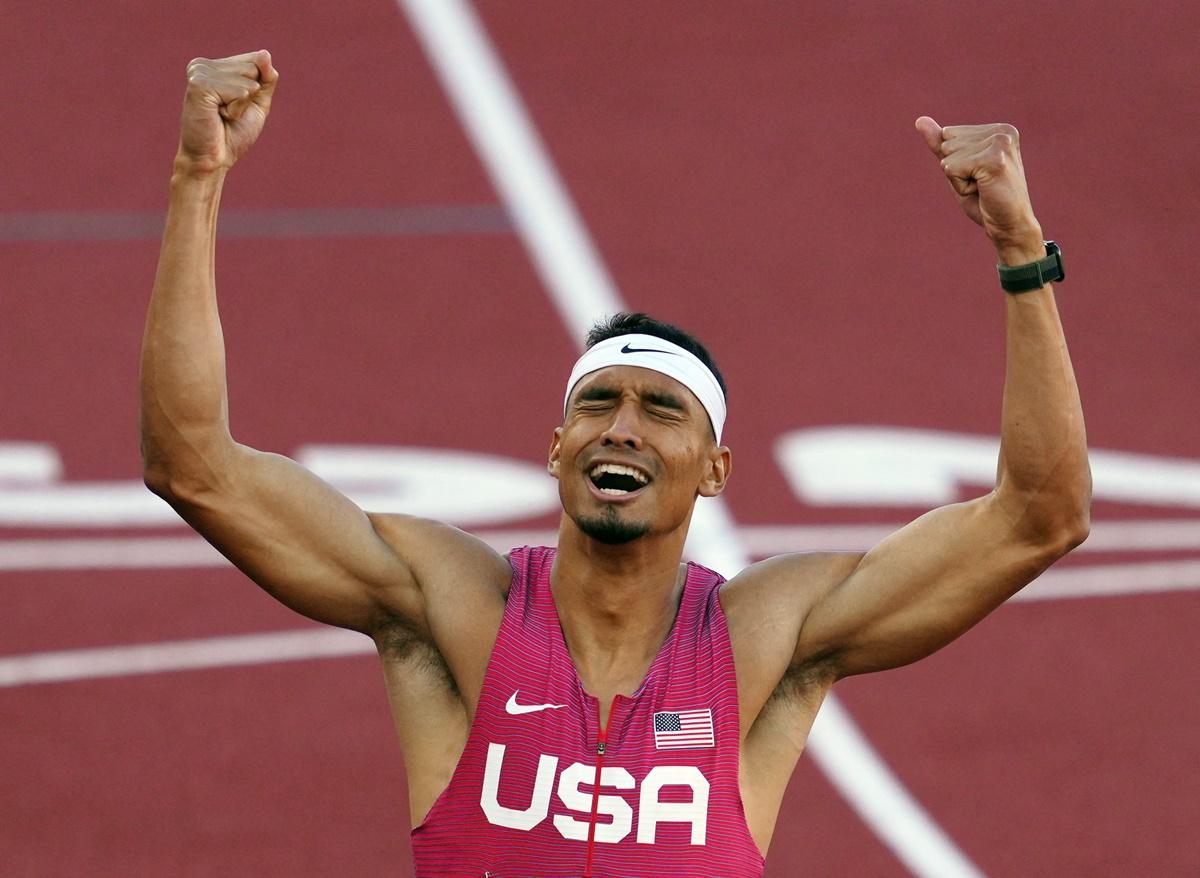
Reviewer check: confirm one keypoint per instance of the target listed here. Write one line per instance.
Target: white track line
(181, 655)
(100, 553)
(758, 541)
(508, 145)
(279, 646)
(164, 553)
(1061, 582)
(487, 105)
(1129, 535)
(149, 553)
(1112, 580)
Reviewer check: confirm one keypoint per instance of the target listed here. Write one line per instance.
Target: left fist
(983, 165)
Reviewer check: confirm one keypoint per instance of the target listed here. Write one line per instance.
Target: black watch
(1033, 275)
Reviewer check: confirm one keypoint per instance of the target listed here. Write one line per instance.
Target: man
(601, 708)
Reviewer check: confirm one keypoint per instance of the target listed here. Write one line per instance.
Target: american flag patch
(675, 730)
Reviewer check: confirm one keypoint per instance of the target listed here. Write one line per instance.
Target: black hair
(626, 323)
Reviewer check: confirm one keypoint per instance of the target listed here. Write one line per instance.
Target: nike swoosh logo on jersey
(628, 350)
(518, 709)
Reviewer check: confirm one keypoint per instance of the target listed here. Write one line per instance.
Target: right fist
(224, 109)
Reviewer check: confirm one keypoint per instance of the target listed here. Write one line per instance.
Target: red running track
(748, 170)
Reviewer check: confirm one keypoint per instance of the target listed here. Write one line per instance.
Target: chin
(610, 529)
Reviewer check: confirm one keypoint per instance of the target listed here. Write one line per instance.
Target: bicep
(919, 589)
(301, 540)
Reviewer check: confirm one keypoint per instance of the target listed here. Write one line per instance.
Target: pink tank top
(542, 791)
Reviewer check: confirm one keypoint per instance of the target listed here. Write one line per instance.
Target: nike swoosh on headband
(628, 350)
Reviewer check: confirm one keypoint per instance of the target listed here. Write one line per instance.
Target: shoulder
(788, 583)
(765, 608)
(463, 585)
(441, 556)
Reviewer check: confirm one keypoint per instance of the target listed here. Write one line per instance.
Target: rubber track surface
(748, 170)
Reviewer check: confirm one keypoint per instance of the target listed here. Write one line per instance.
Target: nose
(623, 429)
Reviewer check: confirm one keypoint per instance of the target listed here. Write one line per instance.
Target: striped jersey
(543, 791)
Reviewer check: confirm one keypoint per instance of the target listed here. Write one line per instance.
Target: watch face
(1052, 267)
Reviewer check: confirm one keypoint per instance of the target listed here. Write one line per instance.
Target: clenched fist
(983, 165)
(224, 110)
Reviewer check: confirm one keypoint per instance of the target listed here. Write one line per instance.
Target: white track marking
(496, 123)
(903, 466)
(125, 553)
(1131, 535)
(840, 752)
(466, 488)
(1111, 580)
(149, 553)
(181, 655)
(864, 779)
(24, 462)
(1063, 581)
(508, 145)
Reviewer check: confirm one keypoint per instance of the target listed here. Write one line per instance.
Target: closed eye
(589, 408)
(667, 414)
(665, 401)
(660, 404)
(665, 405)
(588, 397)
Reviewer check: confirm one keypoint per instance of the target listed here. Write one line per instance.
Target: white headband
(652, 352)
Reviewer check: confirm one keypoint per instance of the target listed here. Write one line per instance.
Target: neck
(616, 604)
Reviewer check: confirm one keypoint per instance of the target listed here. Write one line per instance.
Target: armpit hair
(804, 680)
(399, 643)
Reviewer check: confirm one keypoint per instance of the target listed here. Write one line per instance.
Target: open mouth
(617, 480)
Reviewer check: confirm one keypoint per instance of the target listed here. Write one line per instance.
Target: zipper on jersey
(601, 746)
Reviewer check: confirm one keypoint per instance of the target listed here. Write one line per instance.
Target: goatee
(610, 529)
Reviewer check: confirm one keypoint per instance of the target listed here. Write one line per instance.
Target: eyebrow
(597, 392)
(664, 400)
(602, 392)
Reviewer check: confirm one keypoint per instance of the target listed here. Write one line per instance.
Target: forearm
(184, 409)
(1043, 477)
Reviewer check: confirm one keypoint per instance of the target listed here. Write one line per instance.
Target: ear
(720, 465)
(555, 452)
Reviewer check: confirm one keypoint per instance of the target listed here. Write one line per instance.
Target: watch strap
(1033, 275)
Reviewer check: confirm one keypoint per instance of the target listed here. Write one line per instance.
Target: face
(635, 450)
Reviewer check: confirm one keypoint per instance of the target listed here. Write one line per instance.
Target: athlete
(601, 708)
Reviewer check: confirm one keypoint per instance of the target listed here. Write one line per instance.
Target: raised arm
(932, 580)
(293, 534)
